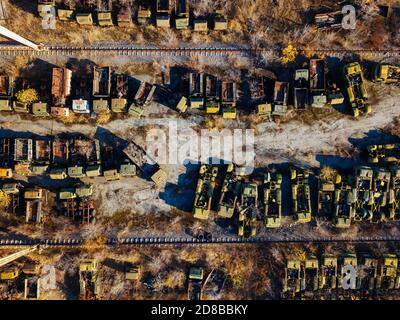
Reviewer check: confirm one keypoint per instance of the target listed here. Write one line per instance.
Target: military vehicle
(380, 194)
(12, 190)
(104, 13)
(40, 109)
(61, 148)
(196, 90)
(347, 260)
(328, 20)
(6, 92)
(384, 153)
(301, 195)
(212, 94)
(309, 279)
(343, 205)
(228, 99)
(318, 83)
(88, 279)
(386, 73)
(101, 89)
(182, 104)
(46, 7)
(61, 85)
(124, 17)
(119, 93)
(204, 191)
(144, 11)
(281, 95)
(387, 278)
(41, 155)
(272, 200)
(367, 274)
(200, 24)
(142, 99)
(356, 91)
(23, 149)
(65, 14)
(132, 273)
(335, 96)
(162, 16)
(328, 273)
(9, 274)
(220, 20)
(33, 202)
(195, 283)
(84, 18)
(231, 189)
(301, 84)
(326, 193)
(181, 14)
(362, 194)
(248, 210)
(292, 285)
(394, 194)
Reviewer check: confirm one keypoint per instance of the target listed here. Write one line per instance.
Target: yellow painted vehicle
(220, 20)
(388, 278)
(384, 153)
(88, 279)
(6, 173)
(328, 274)
(228, 99)
(212, 94)
(248, 211)
(362, 194)
(343, 205)
(230, 191)
(386, 73)
(162, 17)
(182, 14)
(367, 274)
(272, 200)
(394, 194)
(356, 91)
(380, 194)
(326, 193)
(347, 260)
(301, 195)
(292, 284)
(204, 191)
(309, 277)
(9, 274)
(84, 19)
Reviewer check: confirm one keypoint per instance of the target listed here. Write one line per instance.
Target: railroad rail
(179, 241)
(129, 50)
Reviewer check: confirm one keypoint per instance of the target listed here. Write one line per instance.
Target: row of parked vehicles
(362, 273)
(370, 194)
(159, 12)
(62, 156)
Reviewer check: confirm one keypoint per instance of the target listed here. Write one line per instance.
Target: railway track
(126, 50)
(163, 241)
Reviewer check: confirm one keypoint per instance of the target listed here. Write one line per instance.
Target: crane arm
(16, 255)
(16, 37)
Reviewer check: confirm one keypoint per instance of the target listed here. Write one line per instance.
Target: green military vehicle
(162, 16)
(181, 14)
(394, 194)
(101, 89)
(380, 194)
(384, 153)
(272, 200)
(388, 278)
(248, 211)
(356, 91)
(292, 285)
(362, 194)
(301, 195)
(367, 274)
(327, 184)
(231, 189)
(328, 274)
(309, 279)
(343, 205)
(204, 191)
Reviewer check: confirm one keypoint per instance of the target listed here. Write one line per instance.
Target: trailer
(229, 99)
(120, 93)
(61, 85)
(162, 18)
(318, 83)
(60, 151)
(281, 93)
(195, 283)
(42, 152)
(101, 89)
(6, 92)
(23, 150)
(212, 94)
(196, 90)
(182, 14)
(301, 84)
